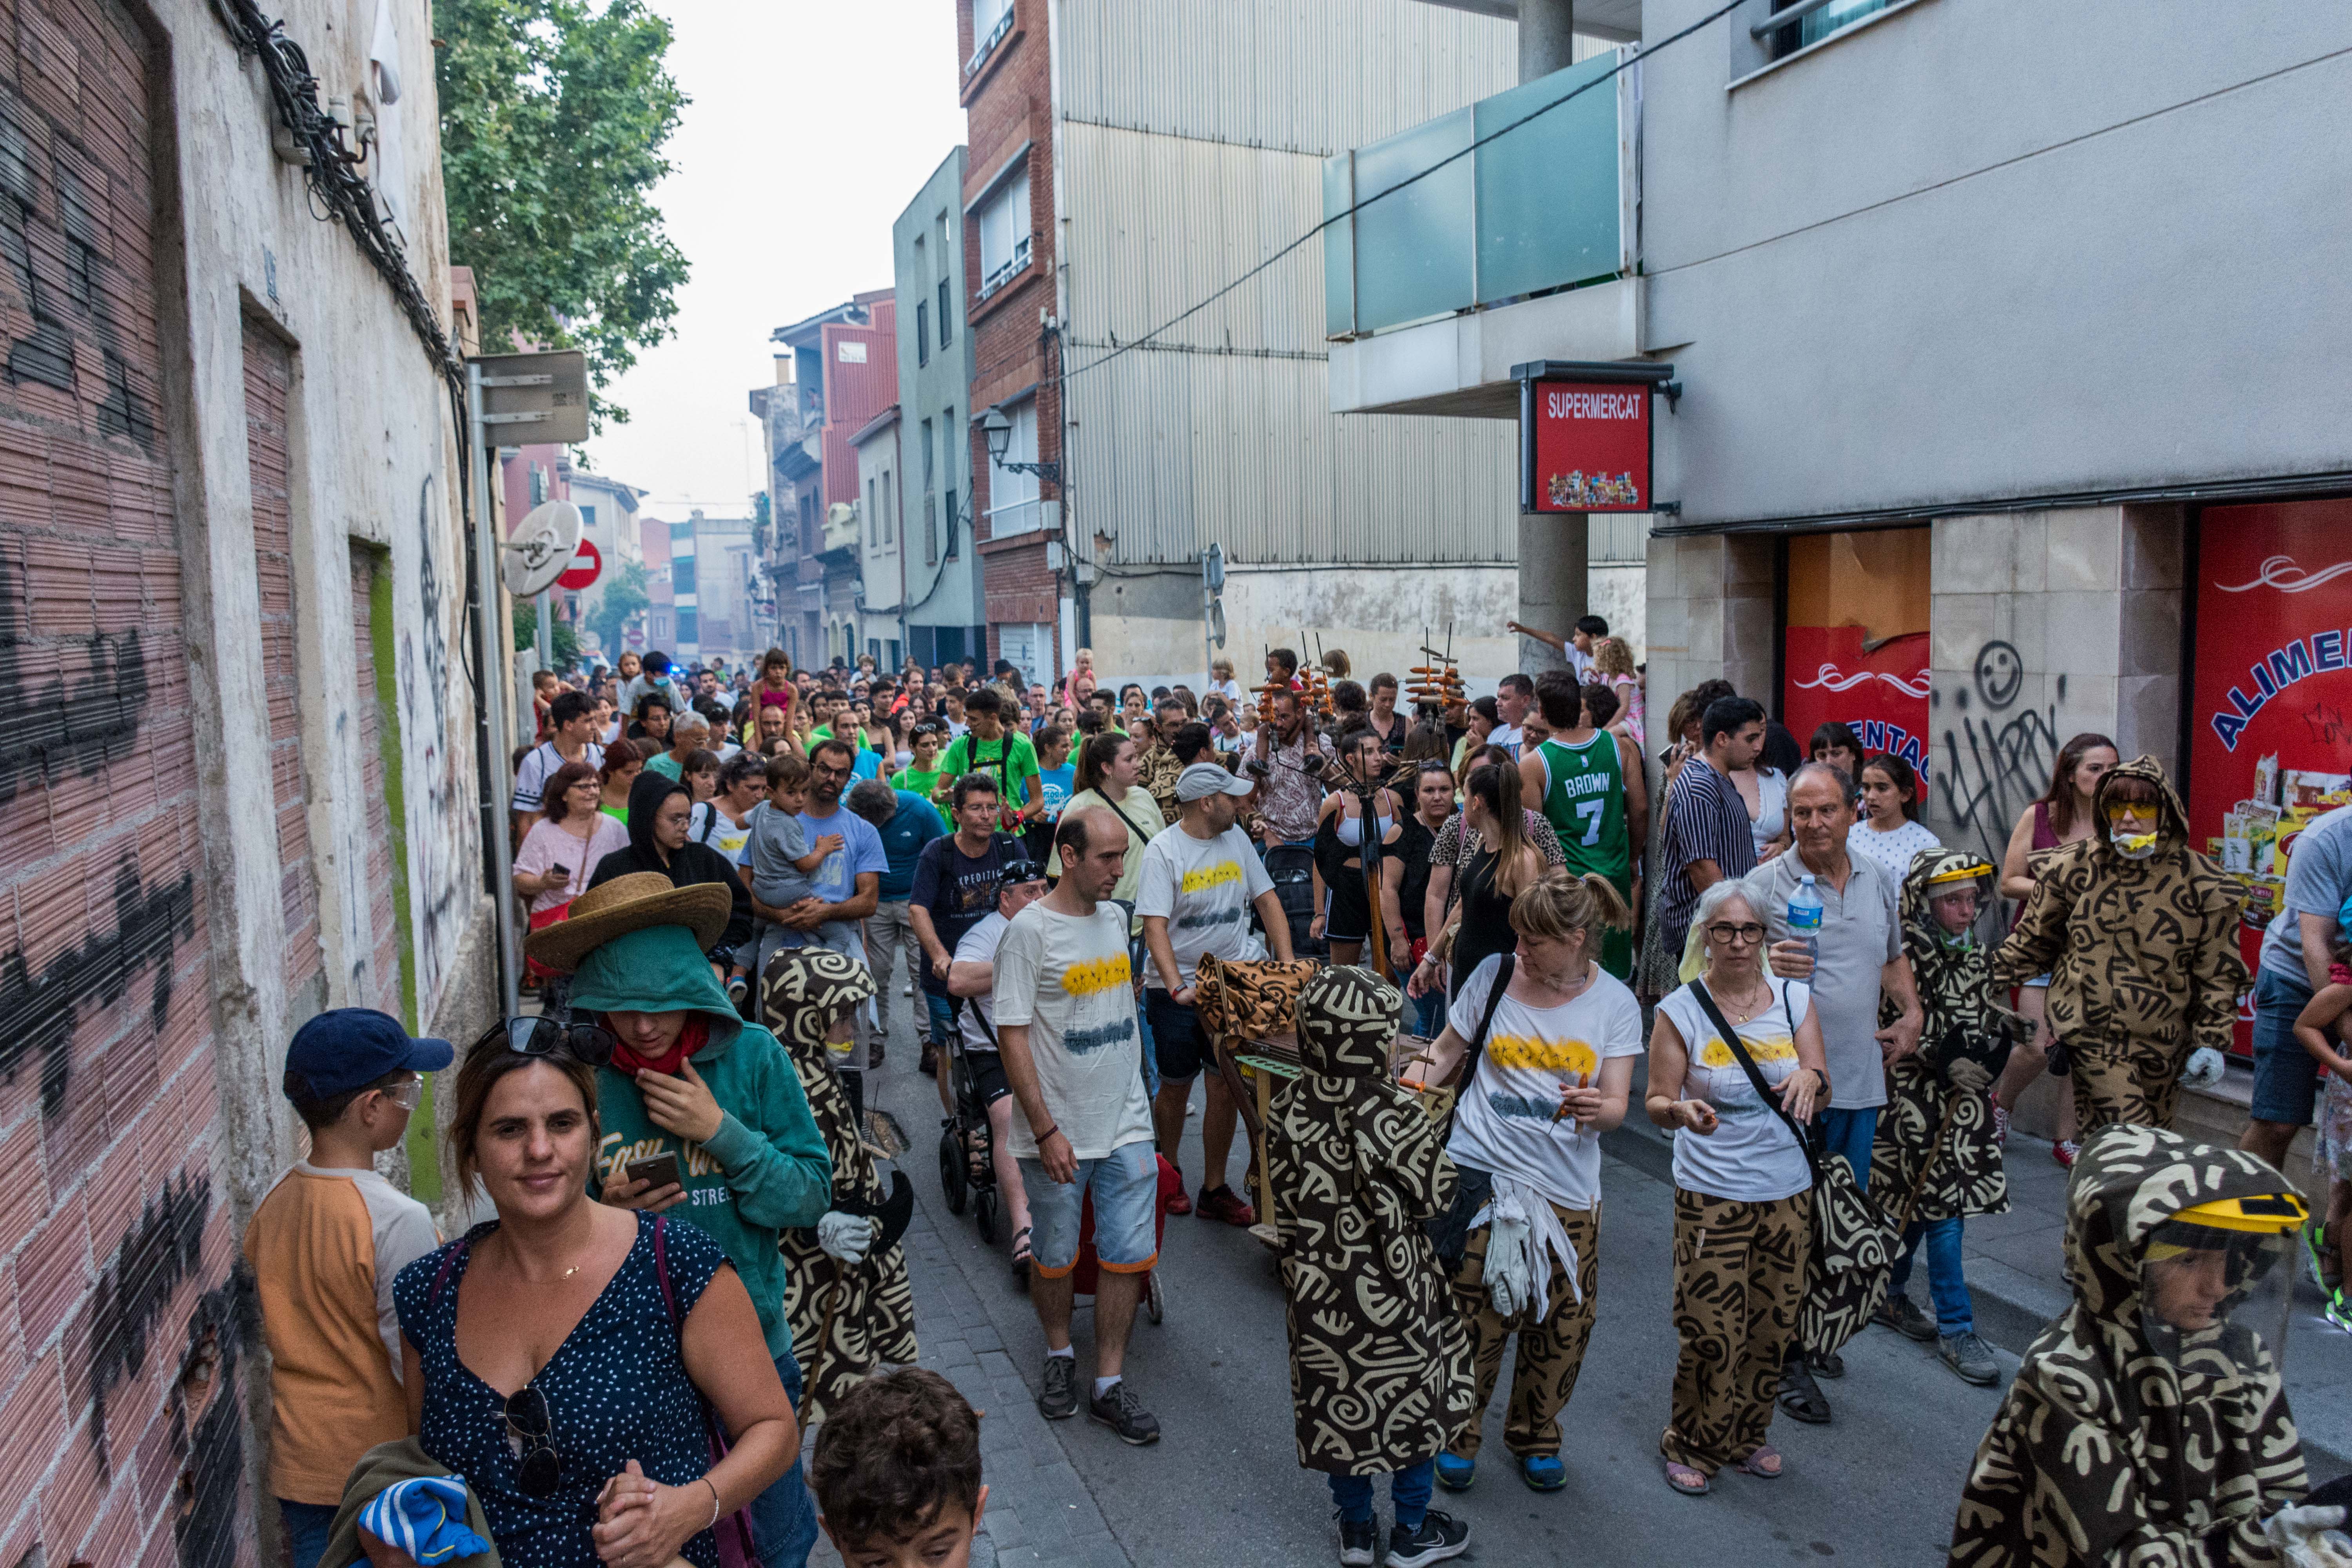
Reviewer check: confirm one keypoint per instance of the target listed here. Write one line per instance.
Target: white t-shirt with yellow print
(1503, 1123)
(1067, 979)
(1203, 887)
(1750, 1157)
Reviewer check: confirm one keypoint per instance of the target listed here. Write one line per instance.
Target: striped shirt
(1705, 820)
(541, 765)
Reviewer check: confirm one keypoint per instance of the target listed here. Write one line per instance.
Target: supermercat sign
(1585, 434)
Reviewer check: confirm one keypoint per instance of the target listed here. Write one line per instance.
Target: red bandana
(692, 1037)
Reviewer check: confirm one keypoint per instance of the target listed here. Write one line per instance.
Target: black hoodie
(687, 865)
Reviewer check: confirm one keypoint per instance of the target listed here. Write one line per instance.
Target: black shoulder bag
(1449, 1233)
(1854, 1245)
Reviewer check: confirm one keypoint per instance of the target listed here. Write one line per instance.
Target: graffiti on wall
(1992, 767)
(439, 807)
(159, 1253)
(38, 1013)
(207, 1425)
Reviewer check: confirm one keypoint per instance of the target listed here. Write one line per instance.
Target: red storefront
(2269, 707)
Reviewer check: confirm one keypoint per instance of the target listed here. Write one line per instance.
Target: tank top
(2044, 838)
(1485, 921)
(1584, 801)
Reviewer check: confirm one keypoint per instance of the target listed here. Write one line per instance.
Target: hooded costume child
(847, 1317)
(1934, 1152)
(1379, 1367)
(2125, 1439)
(2140, 942)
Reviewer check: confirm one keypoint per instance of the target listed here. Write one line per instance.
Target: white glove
(1510, 1274)
(2203, 1069)
(845, 1236)
(2307, 1537)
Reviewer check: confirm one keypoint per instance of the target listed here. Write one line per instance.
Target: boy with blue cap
(325, 1245)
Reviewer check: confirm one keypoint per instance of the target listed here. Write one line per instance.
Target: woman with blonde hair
(1743, 1187)
(1543, 1040)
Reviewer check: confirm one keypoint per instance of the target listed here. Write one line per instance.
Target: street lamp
(996, 428)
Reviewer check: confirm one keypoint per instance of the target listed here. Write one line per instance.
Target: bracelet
(714, 1501)
(1045, 1135)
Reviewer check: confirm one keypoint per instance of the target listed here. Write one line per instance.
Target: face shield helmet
(1956, 898)
(2217, 1285)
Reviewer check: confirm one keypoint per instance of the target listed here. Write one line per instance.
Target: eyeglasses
(528, 1419)
(2122, 810)
(590, 1043)
(407, 1096)
(1726, 933)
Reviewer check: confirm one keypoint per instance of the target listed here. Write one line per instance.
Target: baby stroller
(967, 1148)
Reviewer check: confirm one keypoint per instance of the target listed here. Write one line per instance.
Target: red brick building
(1009, 255)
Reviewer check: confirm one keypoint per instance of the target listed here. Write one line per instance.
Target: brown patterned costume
(1962, 1170)
(1379, 1369)
(1551, 1350)
(1739, 1279)
(2142, 955)
(868, 1308)
(2106, 1450)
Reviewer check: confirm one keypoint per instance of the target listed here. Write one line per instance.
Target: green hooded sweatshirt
(767, 1168)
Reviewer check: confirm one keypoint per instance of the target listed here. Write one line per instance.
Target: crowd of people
(1474, 919)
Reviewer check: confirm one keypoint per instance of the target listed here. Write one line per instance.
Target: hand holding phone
(652, 1182)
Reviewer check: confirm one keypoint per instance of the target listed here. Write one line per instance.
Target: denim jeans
(1409, 1491)
(784, 1517)
(941, 1010)
(1428, 1010)
(308, 1525)
(1849, 1133)
(1946, 1285)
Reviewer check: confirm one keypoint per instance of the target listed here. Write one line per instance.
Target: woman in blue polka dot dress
(559, 1358)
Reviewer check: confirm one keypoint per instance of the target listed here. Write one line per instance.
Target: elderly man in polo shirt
(1861, 958)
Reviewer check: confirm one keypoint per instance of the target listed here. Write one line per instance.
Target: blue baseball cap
(346, 1049)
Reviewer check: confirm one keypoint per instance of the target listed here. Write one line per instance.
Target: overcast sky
(813, 125)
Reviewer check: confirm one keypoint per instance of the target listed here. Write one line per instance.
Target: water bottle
(1805, 917)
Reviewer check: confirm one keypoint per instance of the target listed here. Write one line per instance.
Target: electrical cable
(1714, 15)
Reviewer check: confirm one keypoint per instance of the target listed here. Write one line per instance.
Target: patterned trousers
(1551, 1352)
(1739, 1279)
(2124, 1080)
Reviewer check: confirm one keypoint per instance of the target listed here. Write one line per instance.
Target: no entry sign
(1585, 436)
(586, 567)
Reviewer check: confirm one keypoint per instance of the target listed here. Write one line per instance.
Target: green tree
(553, 116)
(526, 625)
(625, 598)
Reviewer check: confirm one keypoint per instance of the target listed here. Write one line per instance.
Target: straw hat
(625, 904)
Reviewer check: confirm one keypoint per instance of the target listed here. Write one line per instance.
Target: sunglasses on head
(590, 1043)
(541, 1468)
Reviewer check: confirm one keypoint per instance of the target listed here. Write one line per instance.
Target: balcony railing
(1006, 270)
(1539, 207)
(987, 46)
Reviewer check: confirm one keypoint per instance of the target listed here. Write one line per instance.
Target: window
(587, 517)
(1012, 497)
(948, 510)
(869, 514)
(889, 510)
(922, 333)
(1766, 31)
(931, 530)
(1819, 22)
(1004, 233)
(991, 20)
(927, 485)
(947, 311)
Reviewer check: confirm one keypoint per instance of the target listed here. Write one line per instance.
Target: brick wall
(1008, 101)
(118, 1324)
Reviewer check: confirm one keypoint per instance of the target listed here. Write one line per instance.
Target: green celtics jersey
(1585, 803)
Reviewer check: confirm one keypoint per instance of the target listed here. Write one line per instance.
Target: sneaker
(1059, 1400)
(1456, 1473)
(1969, 1357)
(1124, 1414)
(2064, 1150)
(1441, 1536)
(1902, 1314)
(874, 1056)
(2338, 1311)
(1224, 1204)
(1999, 1125)
(1543, 1472)
(1359, 1541)
(1176, 1202)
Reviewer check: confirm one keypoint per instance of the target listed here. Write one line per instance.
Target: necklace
(1740, 1012)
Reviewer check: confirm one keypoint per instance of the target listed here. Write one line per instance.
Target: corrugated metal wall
(1190, 150)
(1302, 76)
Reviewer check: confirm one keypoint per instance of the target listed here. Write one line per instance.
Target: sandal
(1687, 1480)
(1800, 1396)
(1021, 1254)
(1764, 1464)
